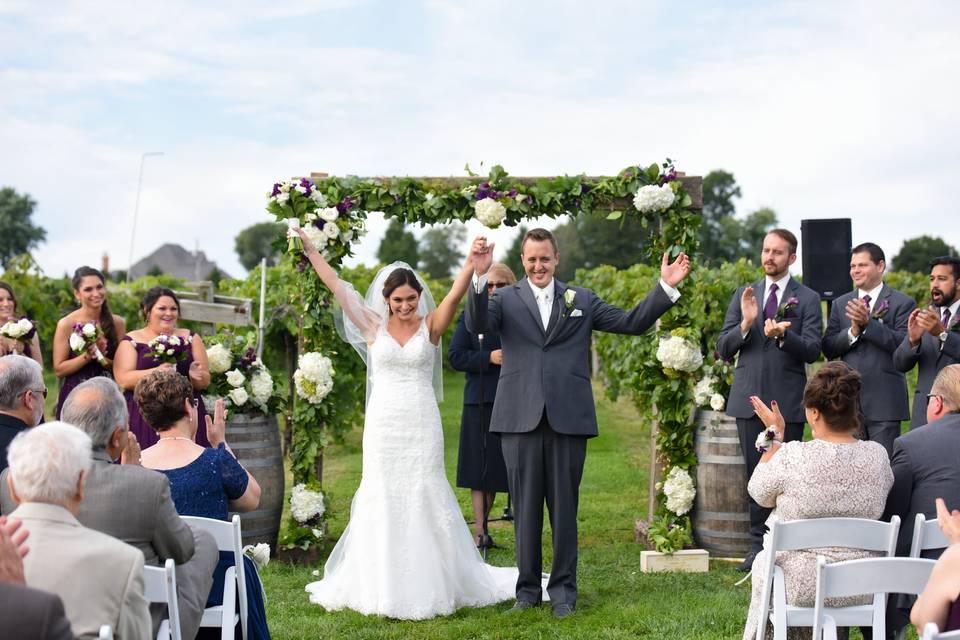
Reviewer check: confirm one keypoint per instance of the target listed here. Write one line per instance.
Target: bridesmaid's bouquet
(168, 349)
(84, 336)
(21, 330)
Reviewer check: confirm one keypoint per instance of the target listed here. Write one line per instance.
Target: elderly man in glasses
(22, 393)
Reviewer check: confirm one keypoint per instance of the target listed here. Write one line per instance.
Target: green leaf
(653, 172)
(614, 215)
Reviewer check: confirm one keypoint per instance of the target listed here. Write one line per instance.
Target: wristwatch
(943, 337)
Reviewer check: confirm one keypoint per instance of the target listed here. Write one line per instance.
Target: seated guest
(148, 519)
(832, 476)
(938, 602)
(98, 578)
(28, 614)
(480, 465)
(8, 312)
(21, 399)
(205, 482)
(160, 308)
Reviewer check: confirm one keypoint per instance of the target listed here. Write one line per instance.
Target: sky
(819, 109)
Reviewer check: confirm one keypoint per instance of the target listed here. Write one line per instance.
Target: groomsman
(933, 335)
(775, 325)
(866, 326)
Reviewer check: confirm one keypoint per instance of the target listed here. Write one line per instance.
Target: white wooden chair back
(876, 576)
(227, 535)
(853, 533)
(931, 632)
(160, 585)
(926, 535)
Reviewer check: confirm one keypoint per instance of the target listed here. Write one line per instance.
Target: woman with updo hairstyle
(8, 312)
(204, 482)
(160, 309)
(89, 289)
(834, 475)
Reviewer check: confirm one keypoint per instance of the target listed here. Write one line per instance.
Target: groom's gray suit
(544, 412)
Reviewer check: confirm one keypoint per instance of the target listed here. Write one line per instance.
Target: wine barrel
(721, 515)
(255, 439)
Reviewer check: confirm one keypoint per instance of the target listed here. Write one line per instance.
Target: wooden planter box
(685, 561)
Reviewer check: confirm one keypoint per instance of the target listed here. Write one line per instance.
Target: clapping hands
(217, 427)
(858, 313)
(769, 417)
(674, 273)
(949, 521)
(12, 550)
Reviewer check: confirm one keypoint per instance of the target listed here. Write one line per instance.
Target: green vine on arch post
(440, 200)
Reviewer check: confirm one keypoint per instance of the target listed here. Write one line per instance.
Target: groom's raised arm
(611, 319)
(483, 311)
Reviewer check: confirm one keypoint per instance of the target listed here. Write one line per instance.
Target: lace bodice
(410, 364)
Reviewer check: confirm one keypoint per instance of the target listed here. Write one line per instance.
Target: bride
(407, 552)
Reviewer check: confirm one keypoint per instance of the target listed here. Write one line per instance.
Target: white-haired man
(22, 392)
(98, 578)
(132, 503)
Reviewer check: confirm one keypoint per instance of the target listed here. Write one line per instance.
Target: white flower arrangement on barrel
(307, 508)
(239, 377)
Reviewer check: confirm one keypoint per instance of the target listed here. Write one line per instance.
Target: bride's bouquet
(331, 227)
(84, 336)
(168, 349)
(21, 330)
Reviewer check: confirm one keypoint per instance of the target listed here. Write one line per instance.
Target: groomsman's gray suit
(32, 614)
(771, 371)
(544, 412)
(883, 395)
(133, 504)
(931, 358)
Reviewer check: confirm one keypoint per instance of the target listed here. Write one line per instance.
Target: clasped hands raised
(750, 310)
(924, 321)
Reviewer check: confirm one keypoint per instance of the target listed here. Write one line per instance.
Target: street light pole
(136, 207)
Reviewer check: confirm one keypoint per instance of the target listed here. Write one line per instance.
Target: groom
(544, 408)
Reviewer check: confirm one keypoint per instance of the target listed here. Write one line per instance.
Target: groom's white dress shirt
(481, 282)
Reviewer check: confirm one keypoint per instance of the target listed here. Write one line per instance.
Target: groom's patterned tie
(770, 308)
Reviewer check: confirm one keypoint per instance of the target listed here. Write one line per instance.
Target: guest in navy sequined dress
(161, 310)
(205, 482)
(8, 311)
(90, 290)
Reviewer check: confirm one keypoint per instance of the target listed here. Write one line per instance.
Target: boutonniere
(881, 309)
(568, 297)
(788, 309)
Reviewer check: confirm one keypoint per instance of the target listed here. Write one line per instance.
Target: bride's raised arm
(441, 318)
(353, 306)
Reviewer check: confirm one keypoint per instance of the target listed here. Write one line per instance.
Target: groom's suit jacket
(883, 395)
(764, 368)
(931, 355)
(550, 370)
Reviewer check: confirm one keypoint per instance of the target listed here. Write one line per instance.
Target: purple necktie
(946, 318)
(770, 308)
(866, 301)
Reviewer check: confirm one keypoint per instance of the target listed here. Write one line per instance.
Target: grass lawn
(616, 600)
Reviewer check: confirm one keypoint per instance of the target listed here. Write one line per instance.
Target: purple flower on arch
(276, 190)
(345, 204)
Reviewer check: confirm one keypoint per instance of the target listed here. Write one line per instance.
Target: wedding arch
(330, 380)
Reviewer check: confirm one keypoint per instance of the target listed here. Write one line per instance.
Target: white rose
(653, 199)
(319, 198)
(235, 378)
(219, 358)
(282, 197)
(316, 237)
(261, 384)
(238, 396)
(77, 343)
(489, 212)
(24, 325)
(285, 188)
(330, 214)
(89, 330)
(174, 340)
(331, 231)
(717, 402)
(170, 352)
(347, 235)
(317, 533)
(259, 553)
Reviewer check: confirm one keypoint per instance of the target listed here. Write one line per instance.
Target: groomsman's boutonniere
(568, 297)
(788, 309)
(881, 309)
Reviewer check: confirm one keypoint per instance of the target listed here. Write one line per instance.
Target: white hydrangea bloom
(489, 212)
(261, 384)
(313, 377)
(677, 353)
(703, 390)
(717, 402)
(679, 490)
(653, 199)
(306, 504)
(219, 358)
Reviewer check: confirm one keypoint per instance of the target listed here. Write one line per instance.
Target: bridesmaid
(160, 308)
(8, 311)
(89, 288)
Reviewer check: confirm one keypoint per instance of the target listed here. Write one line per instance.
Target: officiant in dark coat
(480, 465)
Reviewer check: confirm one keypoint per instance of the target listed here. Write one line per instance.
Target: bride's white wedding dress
(407, 552)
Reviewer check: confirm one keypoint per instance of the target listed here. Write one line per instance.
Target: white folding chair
(160, 585)
(106, 632)
(876, 576)
(225, 616)
(853, 533)
(926, 535)
(931, 632)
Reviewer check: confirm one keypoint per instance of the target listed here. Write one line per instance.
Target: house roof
(174, 260)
